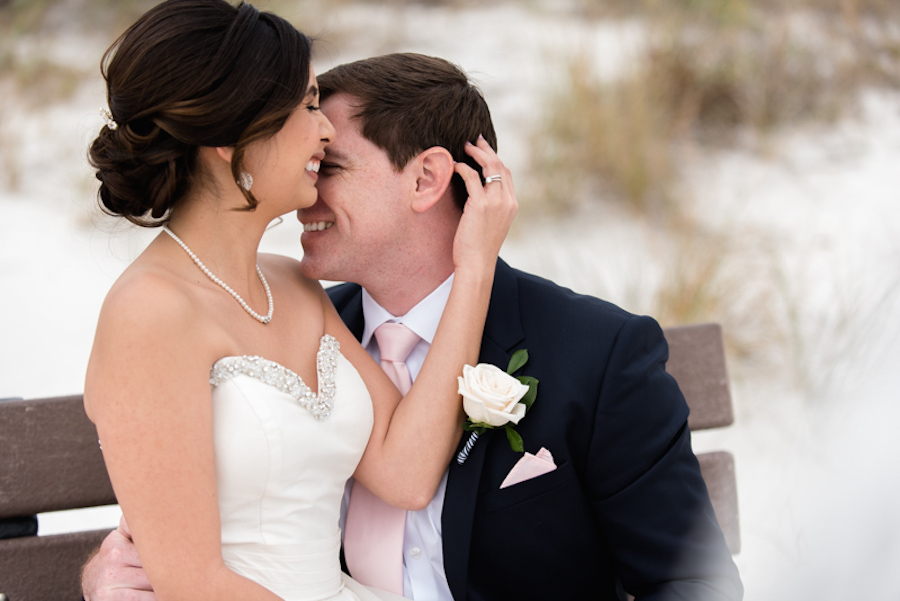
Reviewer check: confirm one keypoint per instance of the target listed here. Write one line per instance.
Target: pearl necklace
(260, 318)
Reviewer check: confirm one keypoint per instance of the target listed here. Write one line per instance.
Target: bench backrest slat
(46, 568)
(697, 362)
(51, 458)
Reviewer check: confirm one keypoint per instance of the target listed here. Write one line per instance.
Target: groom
(622, 506)
(626, 505)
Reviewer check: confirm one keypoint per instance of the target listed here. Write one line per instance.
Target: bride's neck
(223, 238)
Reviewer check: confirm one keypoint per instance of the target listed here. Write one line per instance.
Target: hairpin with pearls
(110, 122)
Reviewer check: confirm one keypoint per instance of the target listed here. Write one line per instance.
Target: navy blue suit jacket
(626, 507)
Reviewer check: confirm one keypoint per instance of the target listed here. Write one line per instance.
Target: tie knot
(395, 341)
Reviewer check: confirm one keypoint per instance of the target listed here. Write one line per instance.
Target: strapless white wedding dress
(283, 456)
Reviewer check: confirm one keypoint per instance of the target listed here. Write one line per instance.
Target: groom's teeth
(313, 165)
(317, 226)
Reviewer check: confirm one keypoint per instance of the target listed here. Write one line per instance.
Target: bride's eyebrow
(312, 92)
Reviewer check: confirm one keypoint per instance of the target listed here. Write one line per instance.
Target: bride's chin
(301, 204)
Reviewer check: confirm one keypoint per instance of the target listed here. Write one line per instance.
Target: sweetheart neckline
(274, 374)
(322, 340)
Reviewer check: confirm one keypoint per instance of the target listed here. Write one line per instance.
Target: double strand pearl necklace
(260, 318)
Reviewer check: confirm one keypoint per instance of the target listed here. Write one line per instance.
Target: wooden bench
(697, 362)
(51, 461)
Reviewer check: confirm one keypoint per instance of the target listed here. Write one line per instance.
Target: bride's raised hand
(489, 210)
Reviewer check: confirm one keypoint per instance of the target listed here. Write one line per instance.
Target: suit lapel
(347, 299)
(503, 330)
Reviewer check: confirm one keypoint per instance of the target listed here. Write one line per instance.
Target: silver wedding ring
(491, 178)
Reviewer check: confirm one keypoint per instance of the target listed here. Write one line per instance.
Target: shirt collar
(422, 319)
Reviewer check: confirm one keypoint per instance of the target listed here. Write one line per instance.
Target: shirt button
(415, 552)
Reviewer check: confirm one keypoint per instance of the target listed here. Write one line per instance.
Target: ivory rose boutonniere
(493, 398)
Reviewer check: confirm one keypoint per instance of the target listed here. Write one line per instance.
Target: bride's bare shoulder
(149, 323)
(148, 294)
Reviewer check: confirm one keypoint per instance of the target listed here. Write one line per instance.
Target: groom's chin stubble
(315, 269)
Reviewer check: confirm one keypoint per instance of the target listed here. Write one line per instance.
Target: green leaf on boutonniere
(532, 384)
(519, 358)
(478, 427)
(515, 441)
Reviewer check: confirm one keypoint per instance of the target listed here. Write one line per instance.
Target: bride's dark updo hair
(191, 73)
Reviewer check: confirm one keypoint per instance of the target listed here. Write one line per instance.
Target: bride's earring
(246, 181)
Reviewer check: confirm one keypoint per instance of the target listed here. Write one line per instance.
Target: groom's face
(355, 229)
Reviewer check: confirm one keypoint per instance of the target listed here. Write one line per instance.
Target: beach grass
(713, 75)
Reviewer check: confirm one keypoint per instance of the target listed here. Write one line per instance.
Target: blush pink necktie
(373, 533)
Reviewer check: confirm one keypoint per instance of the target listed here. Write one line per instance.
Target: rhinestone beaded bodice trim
(285, 380)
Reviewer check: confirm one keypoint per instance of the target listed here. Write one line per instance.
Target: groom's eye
(327, 167)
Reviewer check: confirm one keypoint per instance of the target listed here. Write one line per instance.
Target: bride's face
(285, 167)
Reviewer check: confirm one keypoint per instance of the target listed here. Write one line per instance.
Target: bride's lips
(312, 167)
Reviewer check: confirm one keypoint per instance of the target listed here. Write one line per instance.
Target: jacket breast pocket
(550, 484)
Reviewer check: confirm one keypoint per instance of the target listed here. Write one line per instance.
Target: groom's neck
(401, 292)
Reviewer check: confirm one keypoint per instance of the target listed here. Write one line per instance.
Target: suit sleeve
(644, 482)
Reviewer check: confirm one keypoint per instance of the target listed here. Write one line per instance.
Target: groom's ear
(433, 170)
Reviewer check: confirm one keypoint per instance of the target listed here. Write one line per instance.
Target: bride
(231, 401)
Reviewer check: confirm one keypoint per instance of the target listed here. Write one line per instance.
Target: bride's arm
(413, 441)
(147, 390)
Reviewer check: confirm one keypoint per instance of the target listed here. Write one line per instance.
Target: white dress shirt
(423, 555)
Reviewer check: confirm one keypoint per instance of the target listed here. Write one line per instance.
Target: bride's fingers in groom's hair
(491, 165)
(484, 155)
(488, 199)
(472, 180)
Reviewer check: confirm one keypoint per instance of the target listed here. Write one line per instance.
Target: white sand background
(817, 462)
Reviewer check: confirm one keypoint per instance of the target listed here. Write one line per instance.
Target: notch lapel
(502, 332)
(347, 299)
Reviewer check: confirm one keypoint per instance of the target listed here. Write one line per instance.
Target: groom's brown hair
(408, 102)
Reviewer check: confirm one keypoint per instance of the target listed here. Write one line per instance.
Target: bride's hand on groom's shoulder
(489, 210)
(115, 572)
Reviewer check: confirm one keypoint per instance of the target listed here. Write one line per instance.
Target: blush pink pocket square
(530, 466)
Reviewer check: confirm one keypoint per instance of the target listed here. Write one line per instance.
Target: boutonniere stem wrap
(493, 398)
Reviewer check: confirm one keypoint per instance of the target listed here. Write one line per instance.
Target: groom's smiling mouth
(317, 226)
